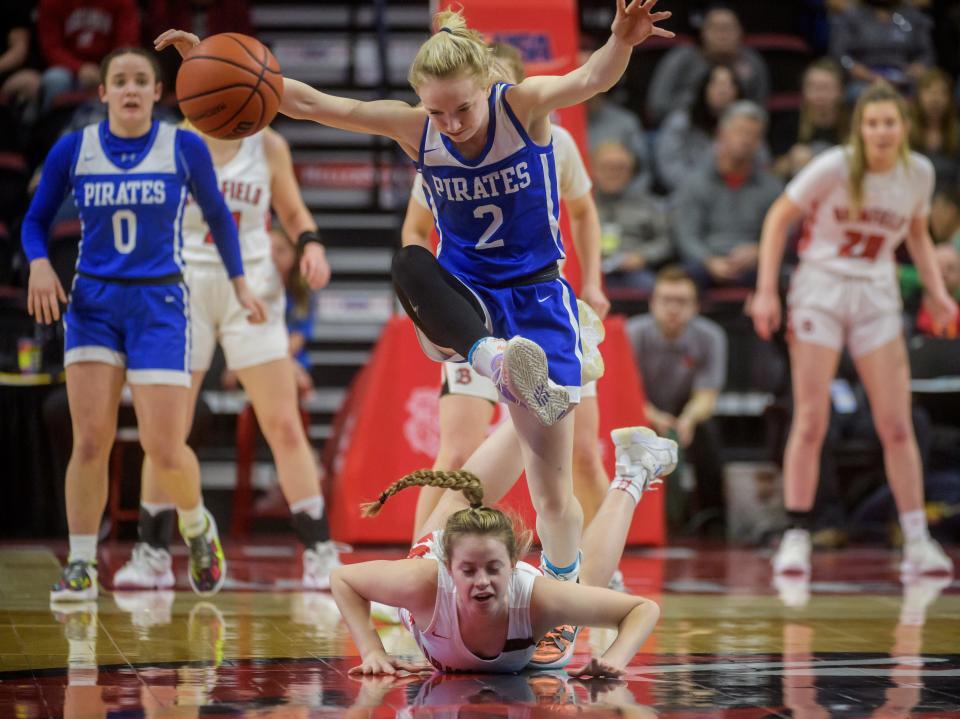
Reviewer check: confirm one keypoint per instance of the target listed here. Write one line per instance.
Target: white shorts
(832, 310)
(461, 379)
(217, 317)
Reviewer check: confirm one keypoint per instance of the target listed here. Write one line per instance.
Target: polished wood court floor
(853, 643)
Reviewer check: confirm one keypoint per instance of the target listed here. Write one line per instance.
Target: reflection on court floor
(853, 643)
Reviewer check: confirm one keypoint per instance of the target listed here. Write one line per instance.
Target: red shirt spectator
(203, 17)
(76, 32)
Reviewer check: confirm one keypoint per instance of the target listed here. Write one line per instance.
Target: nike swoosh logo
(543, 299)
(432, 149)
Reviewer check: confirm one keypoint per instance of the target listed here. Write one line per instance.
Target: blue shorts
(144, 328)
(546, 313)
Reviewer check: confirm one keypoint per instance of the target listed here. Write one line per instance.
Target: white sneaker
(793, 555)
(523, 374)
(642, 457)
(793, 589)
(148, 568)
(919, 592)
(592, 333)
(616, 582)
(925, 556)
(318, 563)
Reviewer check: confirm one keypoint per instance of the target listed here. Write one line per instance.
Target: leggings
(437, 302)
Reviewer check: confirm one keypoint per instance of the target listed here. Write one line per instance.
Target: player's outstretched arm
(538, 96)
(409, 583)
(554, 603)
(390, 118)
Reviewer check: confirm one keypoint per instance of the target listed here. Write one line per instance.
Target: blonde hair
(476, 520)
(507, 62)
(879, 91)
(454, 49)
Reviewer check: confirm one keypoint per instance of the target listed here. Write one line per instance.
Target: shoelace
(558, 636)
(201, 552)
(76, 572)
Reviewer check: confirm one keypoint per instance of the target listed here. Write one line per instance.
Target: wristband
(306, 237)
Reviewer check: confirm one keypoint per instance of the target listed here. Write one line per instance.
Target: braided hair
(472, 521)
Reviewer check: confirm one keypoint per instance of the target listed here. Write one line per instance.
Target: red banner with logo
(389, 426)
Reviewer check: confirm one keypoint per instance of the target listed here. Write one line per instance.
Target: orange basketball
(229, 86)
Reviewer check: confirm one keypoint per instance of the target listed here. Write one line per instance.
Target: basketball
(229, 86)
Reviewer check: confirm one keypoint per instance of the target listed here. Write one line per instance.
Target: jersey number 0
(124, 231)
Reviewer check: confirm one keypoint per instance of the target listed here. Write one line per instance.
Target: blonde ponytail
(454, 49)
(476, 520)
(460, 480)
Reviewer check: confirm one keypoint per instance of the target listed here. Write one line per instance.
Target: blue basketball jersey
(131, 216)
(498, 215)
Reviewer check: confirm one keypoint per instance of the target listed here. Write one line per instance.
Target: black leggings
(437, 302)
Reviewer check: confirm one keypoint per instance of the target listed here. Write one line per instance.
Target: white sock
(484, 352)
(914, 526)
(193, 522)
(83, 548)
(313, 506)
(154, 508)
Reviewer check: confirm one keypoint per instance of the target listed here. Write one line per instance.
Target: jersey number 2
(124, 231)
(496, 213)
(856, 244)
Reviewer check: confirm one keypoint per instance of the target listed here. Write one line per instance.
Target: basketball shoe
(592, 333)
(148, 568)
(77, 583)
(925, 557)
(208, 566)
(793, 554)
(319, 561)
(520, 374)
(556, 648)
(642, 458)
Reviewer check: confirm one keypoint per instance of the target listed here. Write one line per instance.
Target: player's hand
(249, 301)
(943, 312)
(314, 268)
(598, 667)
(765, 312)
(593, 295)
(182, 40)
(381, 663)
(685, 430)
(635, 22)
(44, 292)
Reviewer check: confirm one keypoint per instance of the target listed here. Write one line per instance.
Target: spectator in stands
(75, 35)
(822, 121)
(881, 39)
(609, 122)
(719, 211)
(934, 129)
(678, 74)
(682, 358)
(201, 17)
(945, 216)
(685, 140)
(19, 82)
(635, 236)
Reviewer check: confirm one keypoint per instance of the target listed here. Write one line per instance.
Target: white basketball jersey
(245, 183)
(861, 246)
(441, 642)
